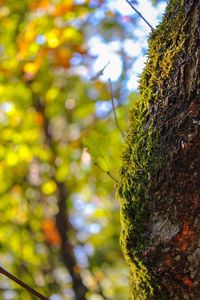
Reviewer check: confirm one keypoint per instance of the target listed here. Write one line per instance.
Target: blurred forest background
(60, 144)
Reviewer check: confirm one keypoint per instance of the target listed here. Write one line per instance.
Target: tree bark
(160, 177)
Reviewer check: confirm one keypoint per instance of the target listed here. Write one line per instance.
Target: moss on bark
(148, 149)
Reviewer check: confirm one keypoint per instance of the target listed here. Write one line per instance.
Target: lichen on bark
(161, 146)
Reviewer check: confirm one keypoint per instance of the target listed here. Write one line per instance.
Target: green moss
(140, 157)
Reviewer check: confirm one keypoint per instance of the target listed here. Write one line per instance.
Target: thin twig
(106, 172)
(139, 14)
(22, 284)
(100, 73)
(113, 107)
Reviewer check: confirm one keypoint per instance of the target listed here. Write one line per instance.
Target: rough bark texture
(160, 177)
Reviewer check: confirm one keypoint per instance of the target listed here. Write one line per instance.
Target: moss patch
(141, 154)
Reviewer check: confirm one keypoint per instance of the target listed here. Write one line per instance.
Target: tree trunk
(62, 217)
(160, 177)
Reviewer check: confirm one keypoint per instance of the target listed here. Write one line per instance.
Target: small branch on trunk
(113, 107)
(106, 172)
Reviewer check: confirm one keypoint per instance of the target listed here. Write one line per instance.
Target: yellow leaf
(11, 159)
(53, 38)
(49, 187)
(30, 68)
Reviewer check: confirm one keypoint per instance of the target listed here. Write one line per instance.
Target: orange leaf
(63, 56)
(51, 233)
(41, 4)
(62, 8)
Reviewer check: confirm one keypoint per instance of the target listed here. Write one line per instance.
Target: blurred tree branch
(22, 284)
